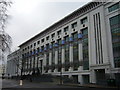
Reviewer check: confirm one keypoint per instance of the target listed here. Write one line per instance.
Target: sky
(30, 17)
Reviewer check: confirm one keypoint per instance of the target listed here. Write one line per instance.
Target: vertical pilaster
(71, 56)
(92, 76)
(30, 63)
(63, 58)
(56, 59)
(44, 59)
(35, 61)
(80, 51)
(32, 60)
(50, 60)
(80, 79)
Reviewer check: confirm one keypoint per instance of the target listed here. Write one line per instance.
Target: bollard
(21, 82)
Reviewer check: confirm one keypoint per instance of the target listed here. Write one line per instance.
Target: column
(63, 58)
(27, 62)
(50, 57)
(71, 56)
(109, 73)
(44, 62)
(36, 61)
(92, 76)
(56, 59)
(80, 79)
(80, 55)
(32, 59)
(30, 63)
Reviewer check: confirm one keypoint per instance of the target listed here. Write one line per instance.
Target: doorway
(100, 77)
(85, 79)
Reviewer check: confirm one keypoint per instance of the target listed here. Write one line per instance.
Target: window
(34, 44)
(53, 53)
(53, 57)
(53, 35)
(31, 52)
(66, 29)
(85, 49)
(42, 40)
(59, 41)
(66, 46)
(31, 46)
(115, 31)
(28, 47)
(47, 46)
(84, 20)
(25, 48)
(42, 48)
(59, 55)
(38, 49)
(47, 38)
(75, 35)
(114, 20)
(66, 39)
(75, 51)
(74, 25)
(47, 60)
(59, 32)
(38, 42)
(113, 7)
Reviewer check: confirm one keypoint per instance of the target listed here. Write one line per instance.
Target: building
(13, 64)
(84, 45)
(1, 71)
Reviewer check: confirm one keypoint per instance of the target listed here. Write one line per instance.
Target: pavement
(8, 83)
(11, 83)
(91, 86)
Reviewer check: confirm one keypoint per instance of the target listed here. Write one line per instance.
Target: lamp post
(61, 75)
(21, 78)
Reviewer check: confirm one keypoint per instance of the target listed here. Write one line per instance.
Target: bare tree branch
(5, 39)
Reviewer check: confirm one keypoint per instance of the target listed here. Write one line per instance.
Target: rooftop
(67, 18)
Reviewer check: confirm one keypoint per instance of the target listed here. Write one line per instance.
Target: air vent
(83, 25)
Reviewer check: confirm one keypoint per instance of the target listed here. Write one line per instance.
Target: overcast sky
(30, 17)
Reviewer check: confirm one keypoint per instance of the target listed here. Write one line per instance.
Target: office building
(84, 46)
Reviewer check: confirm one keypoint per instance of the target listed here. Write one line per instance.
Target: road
(14, 85)
(26, 84)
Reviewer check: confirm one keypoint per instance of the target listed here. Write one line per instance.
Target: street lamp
(61, 75)
(21, 78)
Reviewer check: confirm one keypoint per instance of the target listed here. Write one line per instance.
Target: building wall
(88, 46)
(13, 64)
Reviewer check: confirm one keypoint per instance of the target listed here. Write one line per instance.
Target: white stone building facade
(13, 64)
(84, 45)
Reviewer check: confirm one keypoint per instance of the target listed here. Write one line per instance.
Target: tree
(5, 39)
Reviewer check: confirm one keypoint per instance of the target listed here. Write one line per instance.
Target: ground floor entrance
(85, 79)
(100, 77)
(75, 78)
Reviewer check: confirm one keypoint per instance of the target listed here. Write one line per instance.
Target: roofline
(55, 24)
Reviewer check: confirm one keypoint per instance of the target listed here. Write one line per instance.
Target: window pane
(113, 7)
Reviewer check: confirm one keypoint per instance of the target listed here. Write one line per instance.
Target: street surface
(8, 84)
(26, 84)
(0, 83)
